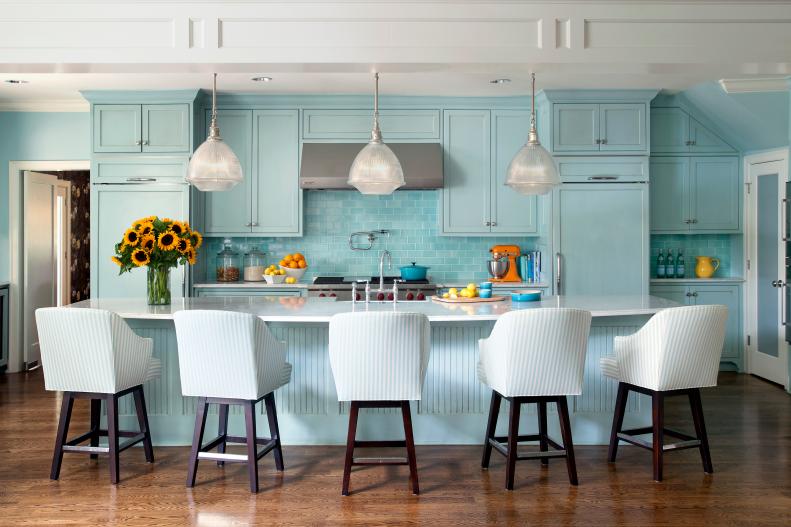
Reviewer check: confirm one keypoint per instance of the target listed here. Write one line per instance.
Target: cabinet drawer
(594, 169)
(139, 170)
(356, 124)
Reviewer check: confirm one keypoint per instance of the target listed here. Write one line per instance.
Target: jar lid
(227, 251)
(255, 252)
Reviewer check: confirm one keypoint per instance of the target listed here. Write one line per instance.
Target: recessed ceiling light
(499, 81)
(261, 79)
(15, 81)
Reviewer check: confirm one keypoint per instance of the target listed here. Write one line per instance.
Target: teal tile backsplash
(726, 247)
(412, 217)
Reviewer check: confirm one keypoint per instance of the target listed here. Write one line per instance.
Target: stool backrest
(379, 356)
(220, 353)
(538, 351)
(90, 350)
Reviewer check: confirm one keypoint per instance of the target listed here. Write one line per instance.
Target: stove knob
(380, 296)
(333, 295)
(322, 295)
(389, 296)
(421, 296)
(358, 297)
(410, 296)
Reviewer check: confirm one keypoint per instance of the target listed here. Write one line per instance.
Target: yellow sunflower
(178, 228)
(131, 237)
(167, 241)
(140, 257)
(190, 255)
(197, 239)
(167, 220)
(145, 228)
(116, 261)
(148, 242)
(183, 245)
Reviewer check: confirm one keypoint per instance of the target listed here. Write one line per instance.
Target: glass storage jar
(254, 265)
(228, 263)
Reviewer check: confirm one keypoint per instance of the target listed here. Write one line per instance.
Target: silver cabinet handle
(487, 223)
(559, 269)
(687, 221)
(494, 223)
(603, 178)
(254, 224)
(695, 293)
(139, 142)
(249, 224)
(145, 142)
(693, 221)
(604, 141)
(597, 141)
(140, 179)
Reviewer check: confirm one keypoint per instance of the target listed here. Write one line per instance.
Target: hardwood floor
(749, 424)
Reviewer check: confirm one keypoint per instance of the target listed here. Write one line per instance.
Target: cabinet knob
(693, 221)
(494, 223)
(254, 224)
(604, 141)
(487, 223)
(139, 142)
(248, 224)
(695, 293)
(145, 142)
(597, 141)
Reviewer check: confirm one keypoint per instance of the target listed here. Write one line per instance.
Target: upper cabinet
(397, 125)
(674, 131)
(150, 128)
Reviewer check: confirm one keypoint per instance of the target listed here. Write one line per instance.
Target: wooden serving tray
(462, 300)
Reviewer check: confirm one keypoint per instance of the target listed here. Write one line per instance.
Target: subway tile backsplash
(726, 247)
(412, 217)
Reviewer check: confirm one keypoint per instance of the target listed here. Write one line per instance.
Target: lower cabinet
(703, 294)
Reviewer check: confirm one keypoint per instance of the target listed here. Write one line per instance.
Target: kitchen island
(454, 405)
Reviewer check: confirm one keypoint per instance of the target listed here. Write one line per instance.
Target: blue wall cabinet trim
(705, 141)
(670, 203)
(356, 124)
(669, 130)
(166, 128)
(511, 212)
(277, 198)
(117, 128)
(231, 212)
(715, 194)
(139, 169)
(113, 209)
(622, 127)
(575, 127)
(466, 196)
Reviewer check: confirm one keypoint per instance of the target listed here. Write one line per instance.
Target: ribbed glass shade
(376, 170)
(214, 166)
(532, 170)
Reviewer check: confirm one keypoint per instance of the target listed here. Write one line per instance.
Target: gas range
(340, 287)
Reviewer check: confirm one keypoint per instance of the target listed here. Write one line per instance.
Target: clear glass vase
(158, 286)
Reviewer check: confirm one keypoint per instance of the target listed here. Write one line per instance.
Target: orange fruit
(298, 256)
(302, 264)
(283, 262)
(288, 258)
(292, 264)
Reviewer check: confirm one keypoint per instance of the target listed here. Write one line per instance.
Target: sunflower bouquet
(158, 244)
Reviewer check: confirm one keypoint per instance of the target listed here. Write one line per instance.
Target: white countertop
(495, 285)
(248, 285)
(302, 309)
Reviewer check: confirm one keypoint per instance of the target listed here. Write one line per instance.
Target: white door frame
(780, 159)
(15, 175)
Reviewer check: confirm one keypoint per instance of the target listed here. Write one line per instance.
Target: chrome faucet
(382, 267)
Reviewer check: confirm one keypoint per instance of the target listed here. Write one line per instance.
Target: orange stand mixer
(511, 252)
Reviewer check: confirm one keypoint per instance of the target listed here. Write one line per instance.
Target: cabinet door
(466, 192)
(231, 212)
(728, 295)
(575, 127)
(676, 293)
(511, 212)
(669, 177)
(277, 198)
(622, 127)
(116, 128)
(113, 209)
(4, 329)
(669, 130)
(705, 141)
(356, 124)
(166, 128)
(715, 194)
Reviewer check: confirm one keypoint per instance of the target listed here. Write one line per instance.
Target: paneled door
(116, 128)
(715, 194)
(576, 127)
(767, 350)
(670, 204)
(622, 127)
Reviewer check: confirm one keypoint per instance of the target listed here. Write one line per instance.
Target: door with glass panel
(767, 235)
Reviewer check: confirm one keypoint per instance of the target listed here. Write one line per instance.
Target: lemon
(465, 293)
(471, 286)
(445, 295)
(291, 280)
(453, 291)
(453, 296)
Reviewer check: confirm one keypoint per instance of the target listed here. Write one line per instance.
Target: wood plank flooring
(749, 424)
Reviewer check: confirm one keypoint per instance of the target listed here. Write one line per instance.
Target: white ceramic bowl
(274, 278)
(296, 273)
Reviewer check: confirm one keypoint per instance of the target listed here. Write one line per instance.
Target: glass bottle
(660, 264)
(254, 265)
(681, 270)
(670, 264)
(227, 263)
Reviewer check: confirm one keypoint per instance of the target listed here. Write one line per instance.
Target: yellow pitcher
(704, 267)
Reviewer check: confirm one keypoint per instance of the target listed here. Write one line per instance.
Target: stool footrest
(497, 444)
(380, 444)
(380, 461)
(73, 445)
(86, 449)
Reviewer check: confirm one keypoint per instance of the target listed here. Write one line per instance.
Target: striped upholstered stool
(534, 356)
(676, 353)
(93, 354)
(230, 358)
(379, 360)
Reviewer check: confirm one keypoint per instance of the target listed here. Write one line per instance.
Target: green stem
(158, 286)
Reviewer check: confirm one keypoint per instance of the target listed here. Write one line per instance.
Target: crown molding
(45, 105)
(756, 85)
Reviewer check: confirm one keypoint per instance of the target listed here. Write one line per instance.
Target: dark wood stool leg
(222, 430)
(491, 426)
(63, 430)
(252, 449)
(112, 436)
(352, 434)
(96, 417)
(513, 434)
(142, 420)
(658, 411)
(542, 431)
(617, 420)
(568, 443)
(197, 440)
(700, 429)
(274, 429)
(410, 447)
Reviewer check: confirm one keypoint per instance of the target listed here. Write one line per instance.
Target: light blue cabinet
(702, 140)
(622, 128)
(695, 195)
(575, 127)
(355, 124)
(606, 127)
(166, 128)
(138, 169)
(674, 131)
(150, 128)
(117, 128)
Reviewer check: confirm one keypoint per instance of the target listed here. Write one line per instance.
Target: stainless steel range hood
(326, 165)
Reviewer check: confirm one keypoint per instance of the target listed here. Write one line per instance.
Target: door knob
(778, 283)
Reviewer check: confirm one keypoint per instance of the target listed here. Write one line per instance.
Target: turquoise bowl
(485, 293)
(525, 295)
(485, 285)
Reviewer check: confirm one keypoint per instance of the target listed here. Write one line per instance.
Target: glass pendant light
(214, 166)
(532, 170)
(376, 169)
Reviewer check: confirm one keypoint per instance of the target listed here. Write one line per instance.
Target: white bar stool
(676, 353)
(231, 358)
(93, 354)
(533, 356)
(379, 360)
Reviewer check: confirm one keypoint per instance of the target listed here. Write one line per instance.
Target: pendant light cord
(214, 130)
(376, 133)
(532, 135)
